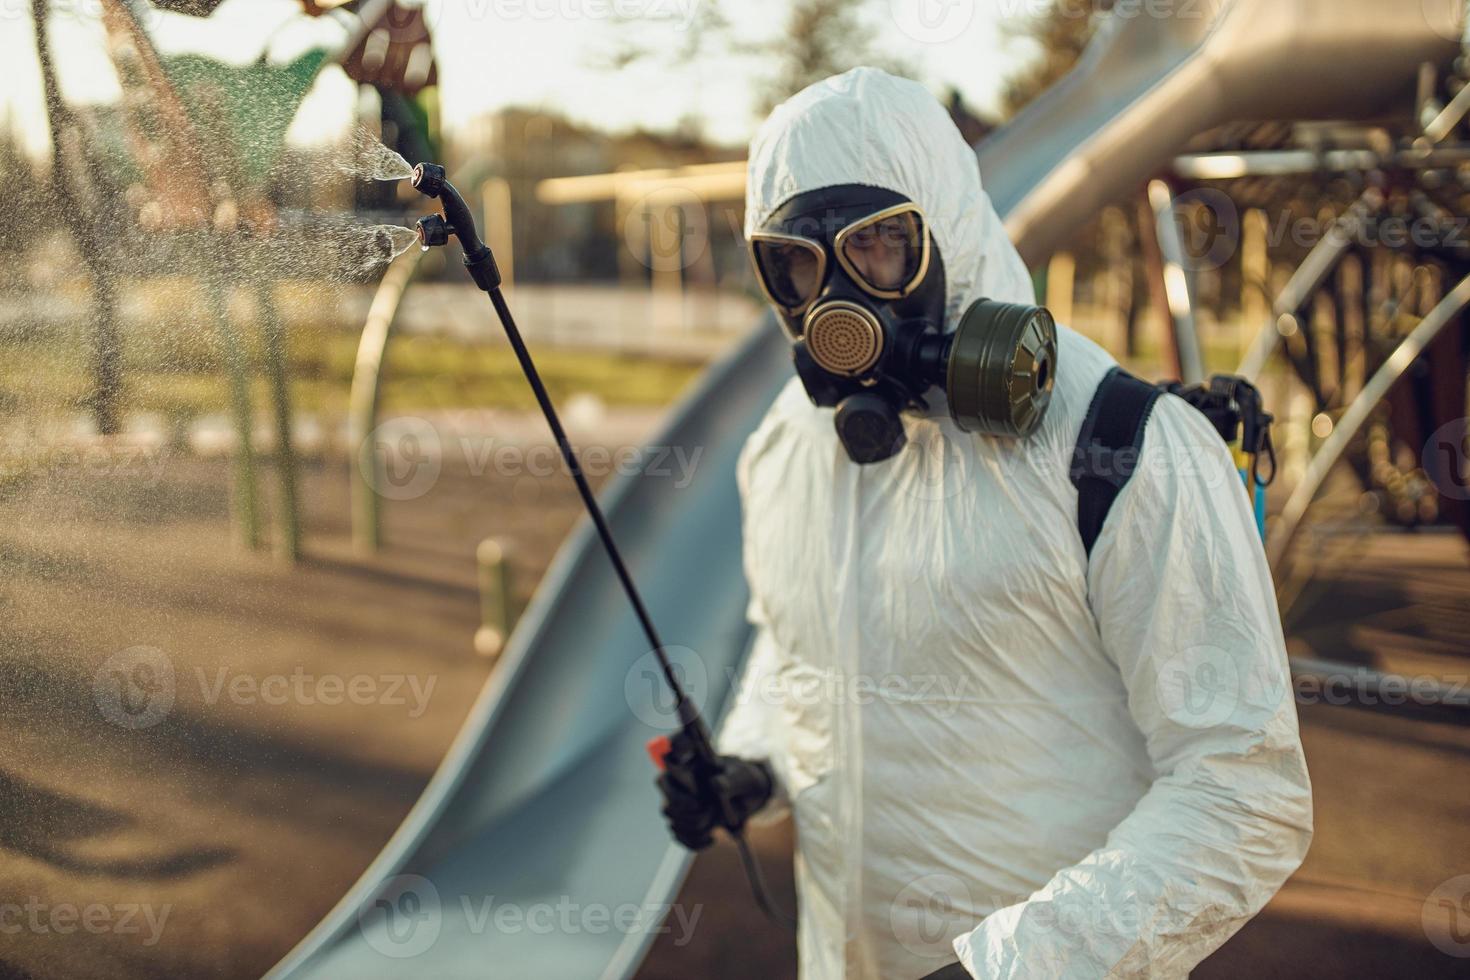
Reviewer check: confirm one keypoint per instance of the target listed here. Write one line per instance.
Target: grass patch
(185, 379)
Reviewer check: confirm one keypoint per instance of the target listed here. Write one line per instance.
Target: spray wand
(693, 738)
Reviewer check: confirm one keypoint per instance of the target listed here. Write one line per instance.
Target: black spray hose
(429, 180)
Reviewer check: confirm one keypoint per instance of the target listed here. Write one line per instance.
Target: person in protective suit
(997, 748)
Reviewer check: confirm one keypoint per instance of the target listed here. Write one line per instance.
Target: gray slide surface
(539, 836)
(545, 805)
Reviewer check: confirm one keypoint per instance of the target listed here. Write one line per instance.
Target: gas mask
(858, 283)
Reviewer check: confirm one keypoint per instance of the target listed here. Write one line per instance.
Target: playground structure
(546, 792)
(546, 795)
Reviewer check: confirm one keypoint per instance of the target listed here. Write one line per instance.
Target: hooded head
(853, 145)
(866, 126)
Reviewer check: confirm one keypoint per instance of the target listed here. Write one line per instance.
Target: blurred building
(582, 239)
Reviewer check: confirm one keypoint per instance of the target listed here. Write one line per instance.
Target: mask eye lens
(791, 271)
(887, 253)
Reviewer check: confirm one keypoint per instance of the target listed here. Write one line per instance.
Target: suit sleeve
(753, 727)
(1185, 608)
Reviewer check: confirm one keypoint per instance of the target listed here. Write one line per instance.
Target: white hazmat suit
(993, 748)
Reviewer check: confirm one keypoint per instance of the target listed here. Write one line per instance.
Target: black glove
(697, 801)
(952, 972)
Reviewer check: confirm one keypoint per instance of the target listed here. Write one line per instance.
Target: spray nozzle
(429, 180)
(432, 229)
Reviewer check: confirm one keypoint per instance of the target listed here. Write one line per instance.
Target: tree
(1062, 31)
(821, 38)
(90, 239)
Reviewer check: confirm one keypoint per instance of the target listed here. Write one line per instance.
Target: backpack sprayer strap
(1111, 440)
(1108, 447)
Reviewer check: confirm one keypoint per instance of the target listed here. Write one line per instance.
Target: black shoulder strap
(1108, 447)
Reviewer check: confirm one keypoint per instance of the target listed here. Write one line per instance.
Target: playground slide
(537, 849)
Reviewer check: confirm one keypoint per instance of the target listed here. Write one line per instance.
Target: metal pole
(246, 498)
(362, 409)
(1358, 412)
(497, 616)
(106, 339)
(1178, 283)
(288, 540)
(1309, 276)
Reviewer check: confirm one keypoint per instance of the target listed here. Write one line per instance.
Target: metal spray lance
(692, 741)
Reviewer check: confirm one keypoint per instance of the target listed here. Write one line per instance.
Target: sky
(551, 54)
